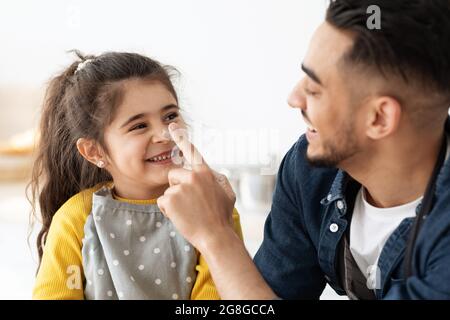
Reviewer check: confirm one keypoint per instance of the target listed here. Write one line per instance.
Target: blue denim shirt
(308, 217)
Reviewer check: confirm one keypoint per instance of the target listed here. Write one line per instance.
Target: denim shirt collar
(337, 190)
(443, 178)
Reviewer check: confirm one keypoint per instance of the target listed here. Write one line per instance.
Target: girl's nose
(161, 135)
(297, 97)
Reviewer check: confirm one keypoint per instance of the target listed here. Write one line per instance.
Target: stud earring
(100, 164)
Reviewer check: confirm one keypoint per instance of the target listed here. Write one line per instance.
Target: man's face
(329, 108)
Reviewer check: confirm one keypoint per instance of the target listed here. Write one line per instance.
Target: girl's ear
(90, 150)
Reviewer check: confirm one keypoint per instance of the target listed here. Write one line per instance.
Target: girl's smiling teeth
(161, 157)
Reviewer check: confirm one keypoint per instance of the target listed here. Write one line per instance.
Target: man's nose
(297, 97)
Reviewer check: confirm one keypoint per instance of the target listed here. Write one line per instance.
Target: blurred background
(238, 62)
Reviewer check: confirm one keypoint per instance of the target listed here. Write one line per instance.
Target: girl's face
(138, 138)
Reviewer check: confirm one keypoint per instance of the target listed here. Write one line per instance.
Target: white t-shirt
(371, 227)
(369, 230)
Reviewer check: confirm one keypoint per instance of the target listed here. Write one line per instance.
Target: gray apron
(352, 279)
(132, 251)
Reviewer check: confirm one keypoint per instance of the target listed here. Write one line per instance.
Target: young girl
(103, 159)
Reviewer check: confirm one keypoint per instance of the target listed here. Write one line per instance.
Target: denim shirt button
(329, 197)
(334, 227)
(340, 205)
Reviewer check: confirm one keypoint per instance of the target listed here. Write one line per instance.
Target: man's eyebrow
(142, 115)
(311, 74)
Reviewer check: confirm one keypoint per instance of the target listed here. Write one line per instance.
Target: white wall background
(239, 59)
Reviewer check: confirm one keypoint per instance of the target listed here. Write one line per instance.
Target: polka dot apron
(132, 251)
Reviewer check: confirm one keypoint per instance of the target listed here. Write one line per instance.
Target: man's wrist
(232, 268)
(215, 242)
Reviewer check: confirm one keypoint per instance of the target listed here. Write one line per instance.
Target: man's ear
(91, 151)
(384, 117)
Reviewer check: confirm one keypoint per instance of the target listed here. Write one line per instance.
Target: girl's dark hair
(81, 102)
(413, 41)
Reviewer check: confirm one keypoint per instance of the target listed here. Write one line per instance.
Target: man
(374, 156)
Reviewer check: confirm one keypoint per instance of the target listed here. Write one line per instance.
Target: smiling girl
(103, 159)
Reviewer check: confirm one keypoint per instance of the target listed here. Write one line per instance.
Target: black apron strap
(352, 279)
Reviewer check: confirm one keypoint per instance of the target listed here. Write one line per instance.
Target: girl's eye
(139, 126)
(171, 116)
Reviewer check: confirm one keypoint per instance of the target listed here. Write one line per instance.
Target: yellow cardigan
(62, 252)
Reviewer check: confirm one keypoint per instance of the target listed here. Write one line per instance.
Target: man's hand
(200, 203)
(198, 200)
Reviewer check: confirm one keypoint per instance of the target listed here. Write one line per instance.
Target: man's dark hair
(413, 41)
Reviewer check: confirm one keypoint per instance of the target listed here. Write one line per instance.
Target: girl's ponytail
(57, 172)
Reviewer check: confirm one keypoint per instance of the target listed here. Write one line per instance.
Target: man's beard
(342, 147)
